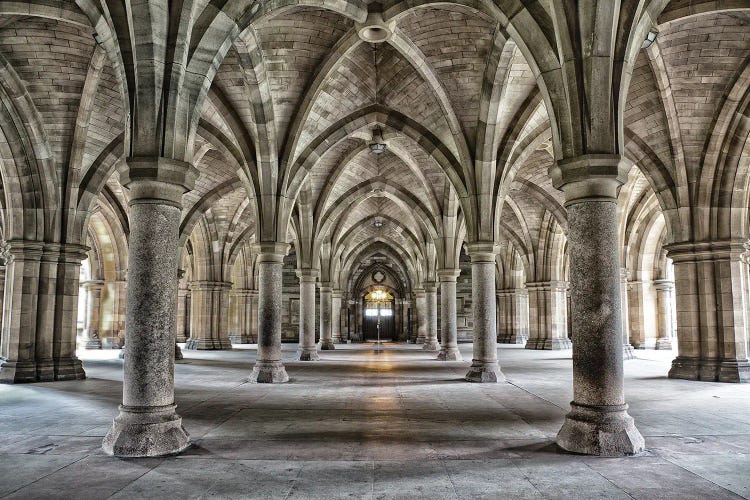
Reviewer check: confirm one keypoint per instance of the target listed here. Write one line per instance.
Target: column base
(420, 340)
(122, 353)
(17, 372)
(663, 344)
(685, 368)
(146, 431)
(535, 343)
(45, 370)
(92, 344)
(557, 344)
(69, 369)
(450, 354)
(241, 339)
(431, 345)
(181, 339)
(193, 344)
(327, 345)
(511, 338)
(606, 431)
(308, 354)
(628, 352)
(484, 372)
(177, 353)
(268, 372)
(737, 372)
(339, 340)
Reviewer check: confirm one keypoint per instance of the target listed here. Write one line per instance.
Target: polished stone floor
(364, 425)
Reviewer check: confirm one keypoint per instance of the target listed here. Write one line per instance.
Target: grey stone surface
(484, 365)
(431, 318)
(147, 425)
(308, 350)
(354, 424)
(598, 423)
(449, 349)
(268, 366)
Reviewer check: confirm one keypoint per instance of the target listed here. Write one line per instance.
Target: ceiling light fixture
(376, 144)
(650, 38)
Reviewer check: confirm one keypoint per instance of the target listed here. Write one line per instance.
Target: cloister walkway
(363, 425)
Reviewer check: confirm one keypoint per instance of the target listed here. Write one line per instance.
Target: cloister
(416, 182)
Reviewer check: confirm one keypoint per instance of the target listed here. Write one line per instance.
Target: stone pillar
(598, 423)
(67, 365)
(711, 295)
(336, 337)
(254, 316)
(183, 305)
(548, 322)
(308, 351)
(627, 348)
(421, 315)
(513, 316)
(40, 312)
(664, 313)
(242, 329)
(448, 320)
(209, 316)
(431, 339)
(268, 366)
(148, 425)
(90, 338)
(484, 365)
(326, 331)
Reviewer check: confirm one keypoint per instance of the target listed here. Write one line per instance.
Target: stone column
(209, 315)
(664, 313)
(90, 336)
(67, 365)
(308, 351)
(513, 315)
(148, 425)
(548, 322)
(484, 365)
(336, 296)
(326, 331)
(268, 366)
(18, 348)
(598, 423)
(627, 348)
(242, 330)
(183, 306)
(421, 315)
(431, 340)
(711, 295)
(448, 326)
(253, 316)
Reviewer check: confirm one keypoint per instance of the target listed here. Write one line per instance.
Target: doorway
(378, 311)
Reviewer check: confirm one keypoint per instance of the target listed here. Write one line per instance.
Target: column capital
(205, 285)
(22, 250)
(663, 285)
(307, 275)
(272, 251)
(430, 286)
(706, 250)
(157, 179)
(590, 177)
(448, 274)
(419, 292)
(337, 294)
(324, 288)
(482, 251)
